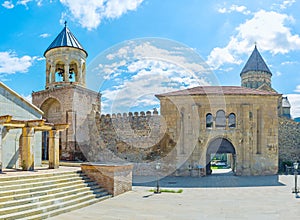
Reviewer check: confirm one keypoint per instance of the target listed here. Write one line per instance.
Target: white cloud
(8, 4)
(90, 15)
(27, 97)
(10, 63)
(235, 8)
(137, 70)
(285, 4)
(40, 2)
(294, 100)
(289, 63)
(23, 2)
(45, 35)
(297, 89)
(116, 8)
(268, 28)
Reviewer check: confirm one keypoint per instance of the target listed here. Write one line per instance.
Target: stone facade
(254, 136)
(68, 104)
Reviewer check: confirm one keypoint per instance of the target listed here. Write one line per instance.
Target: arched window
(73, 72)
(209, 120)
(220, 119)
(59, 72)
(231, 120)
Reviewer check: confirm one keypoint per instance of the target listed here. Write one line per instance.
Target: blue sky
(221, 33)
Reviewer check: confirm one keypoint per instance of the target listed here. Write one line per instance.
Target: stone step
(68, 209)
(31, 199)
(43, 188)
(36, 203)
(37, 175)
(51, 209)
(37, 178)
(39, 196)
(67, 188)
(39, 182)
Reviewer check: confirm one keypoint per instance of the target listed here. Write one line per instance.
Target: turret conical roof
(65, 39)
(256, 63)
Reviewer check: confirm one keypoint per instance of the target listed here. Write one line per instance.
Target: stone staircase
(40, 196)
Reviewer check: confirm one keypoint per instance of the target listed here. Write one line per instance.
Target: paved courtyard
(214, 197)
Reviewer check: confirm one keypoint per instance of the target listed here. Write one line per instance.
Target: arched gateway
(220, 146)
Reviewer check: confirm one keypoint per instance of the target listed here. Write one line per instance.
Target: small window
(220, 119)
(209, 120)
(231, 120)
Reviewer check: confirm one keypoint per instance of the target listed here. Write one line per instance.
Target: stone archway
(219, 146)
(52, 110)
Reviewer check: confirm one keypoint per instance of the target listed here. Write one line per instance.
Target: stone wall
(143, 139)
(289, 142)
(138, 138)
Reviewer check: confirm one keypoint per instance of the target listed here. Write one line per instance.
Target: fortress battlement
(130, 115)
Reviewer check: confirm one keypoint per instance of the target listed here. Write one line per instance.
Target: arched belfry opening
(220, 154)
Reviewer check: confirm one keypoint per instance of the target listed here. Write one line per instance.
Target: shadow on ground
(213, 181)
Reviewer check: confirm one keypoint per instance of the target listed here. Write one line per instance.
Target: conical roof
(65, 39)
(256, 63)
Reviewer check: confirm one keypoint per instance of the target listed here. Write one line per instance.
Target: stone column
(52, 72)
(244, 148)
(53, 149)
(79, 74)
(66, 74)
(27, 156)
(83, 72)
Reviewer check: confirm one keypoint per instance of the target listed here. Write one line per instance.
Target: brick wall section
(115, 178)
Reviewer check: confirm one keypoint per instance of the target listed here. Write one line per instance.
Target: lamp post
(296, 164)
(157, 167)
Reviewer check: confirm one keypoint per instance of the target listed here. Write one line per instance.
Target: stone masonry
(289, 142)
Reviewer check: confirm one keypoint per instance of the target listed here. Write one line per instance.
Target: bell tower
(65, 98)
(65, 61)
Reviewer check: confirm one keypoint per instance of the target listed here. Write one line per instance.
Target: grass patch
(167, 190)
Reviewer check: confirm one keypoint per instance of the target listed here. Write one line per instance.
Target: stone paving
(214, 197)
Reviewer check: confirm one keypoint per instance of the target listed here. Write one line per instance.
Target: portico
(29, 128)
